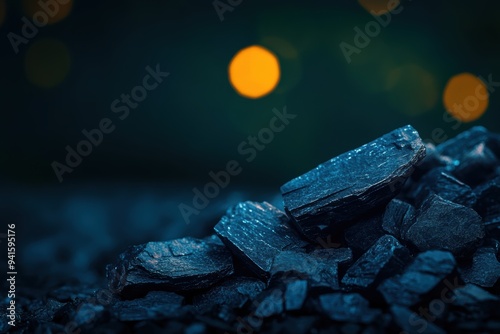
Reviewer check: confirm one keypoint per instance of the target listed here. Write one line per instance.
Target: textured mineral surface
(376, 240)
(353, 183)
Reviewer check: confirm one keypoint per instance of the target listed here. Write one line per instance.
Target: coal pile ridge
(396, 236)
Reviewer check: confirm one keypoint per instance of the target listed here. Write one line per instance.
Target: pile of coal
(395, 236)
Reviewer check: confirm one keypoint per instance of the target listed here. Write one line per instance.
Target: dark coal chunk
(320, 266)
(269, 303)
(476, 165)
(384, 259)
(348, 307)
(177, 265)
(488, 202)
(44, 311)
(354, 183)
(464, 142)
(295, 294)
(433, 159)
(493, 143)
(70, 293)
(290, 324)
(410, 322)
(470, 301)
(484, 270)
(232, 293)
(421, 277)
(84, 314)
(364, 234)
(442, 183)
(256, 233)
(441, 224)
(155, 305)
(397, 217)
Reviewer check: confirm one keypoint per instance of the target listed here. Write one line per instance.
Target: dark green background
(194, 121)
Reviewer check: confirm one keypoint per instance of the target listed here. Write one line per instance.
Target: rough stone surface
(348, 307)
(398, 215)
(353, 183)
(155, 305)
(362, 235)
(441, 182)
(177, 265)
(441, 224)
(233, 293)
(423, 275)
(256, 233)
(320, 267)
(385, 258)
(484, 270)
(295, 294)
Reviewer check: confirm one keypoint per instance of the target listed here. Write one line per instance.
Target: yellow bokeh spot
(39, 10)
(47, 63)
(254, 72)
(379, 7)
(465, 97)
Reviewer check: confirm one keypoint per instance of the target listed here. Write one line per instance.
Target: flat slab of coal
(385, 258)
(441, 224)
(256, 233)
(177, 265)
(353, 183)
(423, 275)
(155, 305)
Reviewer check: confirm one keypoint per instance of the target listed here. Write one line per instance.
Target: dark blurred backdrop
(65, 78)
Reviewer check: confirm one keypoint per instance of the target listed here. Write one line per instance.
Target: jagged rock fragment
(441, 224)
(476, 165)
(423, 275)
(363, 234)
(385, 258)
(155, 305)
(232, 293)
(295, 294)
(177, 265)
(473, 302)
(484, 270)
(348, 307)
(256, 233)
(354, 183)
(410, 322)
(440, 182)
(320, 266)
(397, 217)
(456, 147)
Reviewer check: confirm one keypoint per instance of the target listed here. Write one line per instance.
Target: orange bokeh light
(379, 7)
(54, 13)
(465, 97)
(254, 72)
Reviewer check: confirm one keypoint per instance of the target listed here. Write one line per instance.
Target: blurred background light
(379, 7)
(254, 71)
(412, 89)
(55, 11)
(47, 63)
(465, 97)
